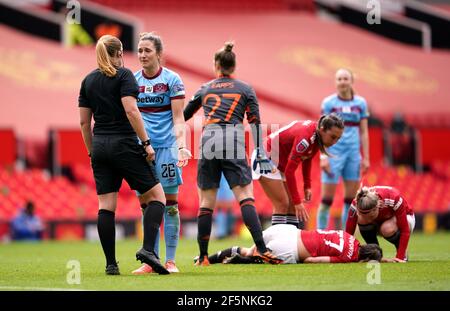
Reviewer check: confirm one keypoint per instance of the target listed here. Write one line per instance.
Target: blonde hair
(107, 46)
(366, 199)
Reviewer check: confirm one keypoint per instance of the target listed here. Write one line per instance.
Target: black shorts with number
(236, 171)
(117, 157)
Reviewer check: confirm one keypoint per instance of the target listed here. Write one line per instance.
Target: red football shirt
(291, 145)
(393, 205)
(337, 244)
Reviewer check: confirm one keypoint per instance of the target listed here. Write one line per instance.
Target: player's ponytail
(366, 199)
(327, 122)
(107, 47)
(226, 58)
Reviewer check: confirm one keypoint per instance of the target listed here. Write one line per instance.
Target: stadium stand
(298, 68)
(59, 199)
(9, 147)
(291, 71)
(211, 5)
(412, 22)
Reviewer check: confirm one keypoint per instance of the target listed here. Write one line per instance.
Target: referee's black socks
(153, 215)
(107, 233)
(251, 221)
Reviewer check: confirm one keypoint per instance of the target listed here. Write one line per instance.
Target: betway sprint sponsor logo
(146, 100)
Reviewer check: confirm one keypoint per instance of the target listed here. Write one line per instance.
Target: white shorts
(257, 175)
(411, 222)
(282, 240)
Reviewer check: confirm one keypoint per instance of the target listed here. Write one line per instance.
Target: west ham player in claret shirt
(292, 145)
(294, 245)
(381, 209)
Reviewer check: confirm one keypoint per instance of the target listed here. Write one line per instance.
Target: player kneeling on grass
(381, 209)
(294, 245)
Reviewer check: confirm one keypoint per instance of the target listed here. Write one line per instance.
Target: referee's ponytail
(107, 46)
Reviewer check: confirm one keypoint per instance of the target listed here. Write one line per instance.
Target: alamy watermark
(374, 13)
(73, 276)
(373, 277)
(73, 14)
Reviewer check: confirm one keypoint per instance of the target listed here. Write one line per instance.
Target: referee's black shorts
(236, 171)
(116, 157)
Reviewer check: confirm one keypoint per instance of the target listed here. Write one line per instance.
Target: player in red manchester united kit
(382, 210)
(293, 245)
(292, 145)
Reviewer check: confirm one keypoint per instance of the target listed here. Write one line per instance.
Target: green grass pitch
(43, 266)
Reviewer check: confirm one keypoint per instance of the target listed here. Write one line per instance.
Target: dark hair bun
(228, 46)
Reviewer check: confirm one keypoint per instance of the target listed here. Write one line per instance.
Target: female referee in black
(109, 95)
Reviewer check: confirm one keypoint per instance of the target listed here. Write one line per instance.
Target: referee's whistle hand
(150, 153)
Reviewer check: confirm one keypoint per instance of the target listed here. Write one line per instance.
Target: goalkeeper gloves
(265, 165)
